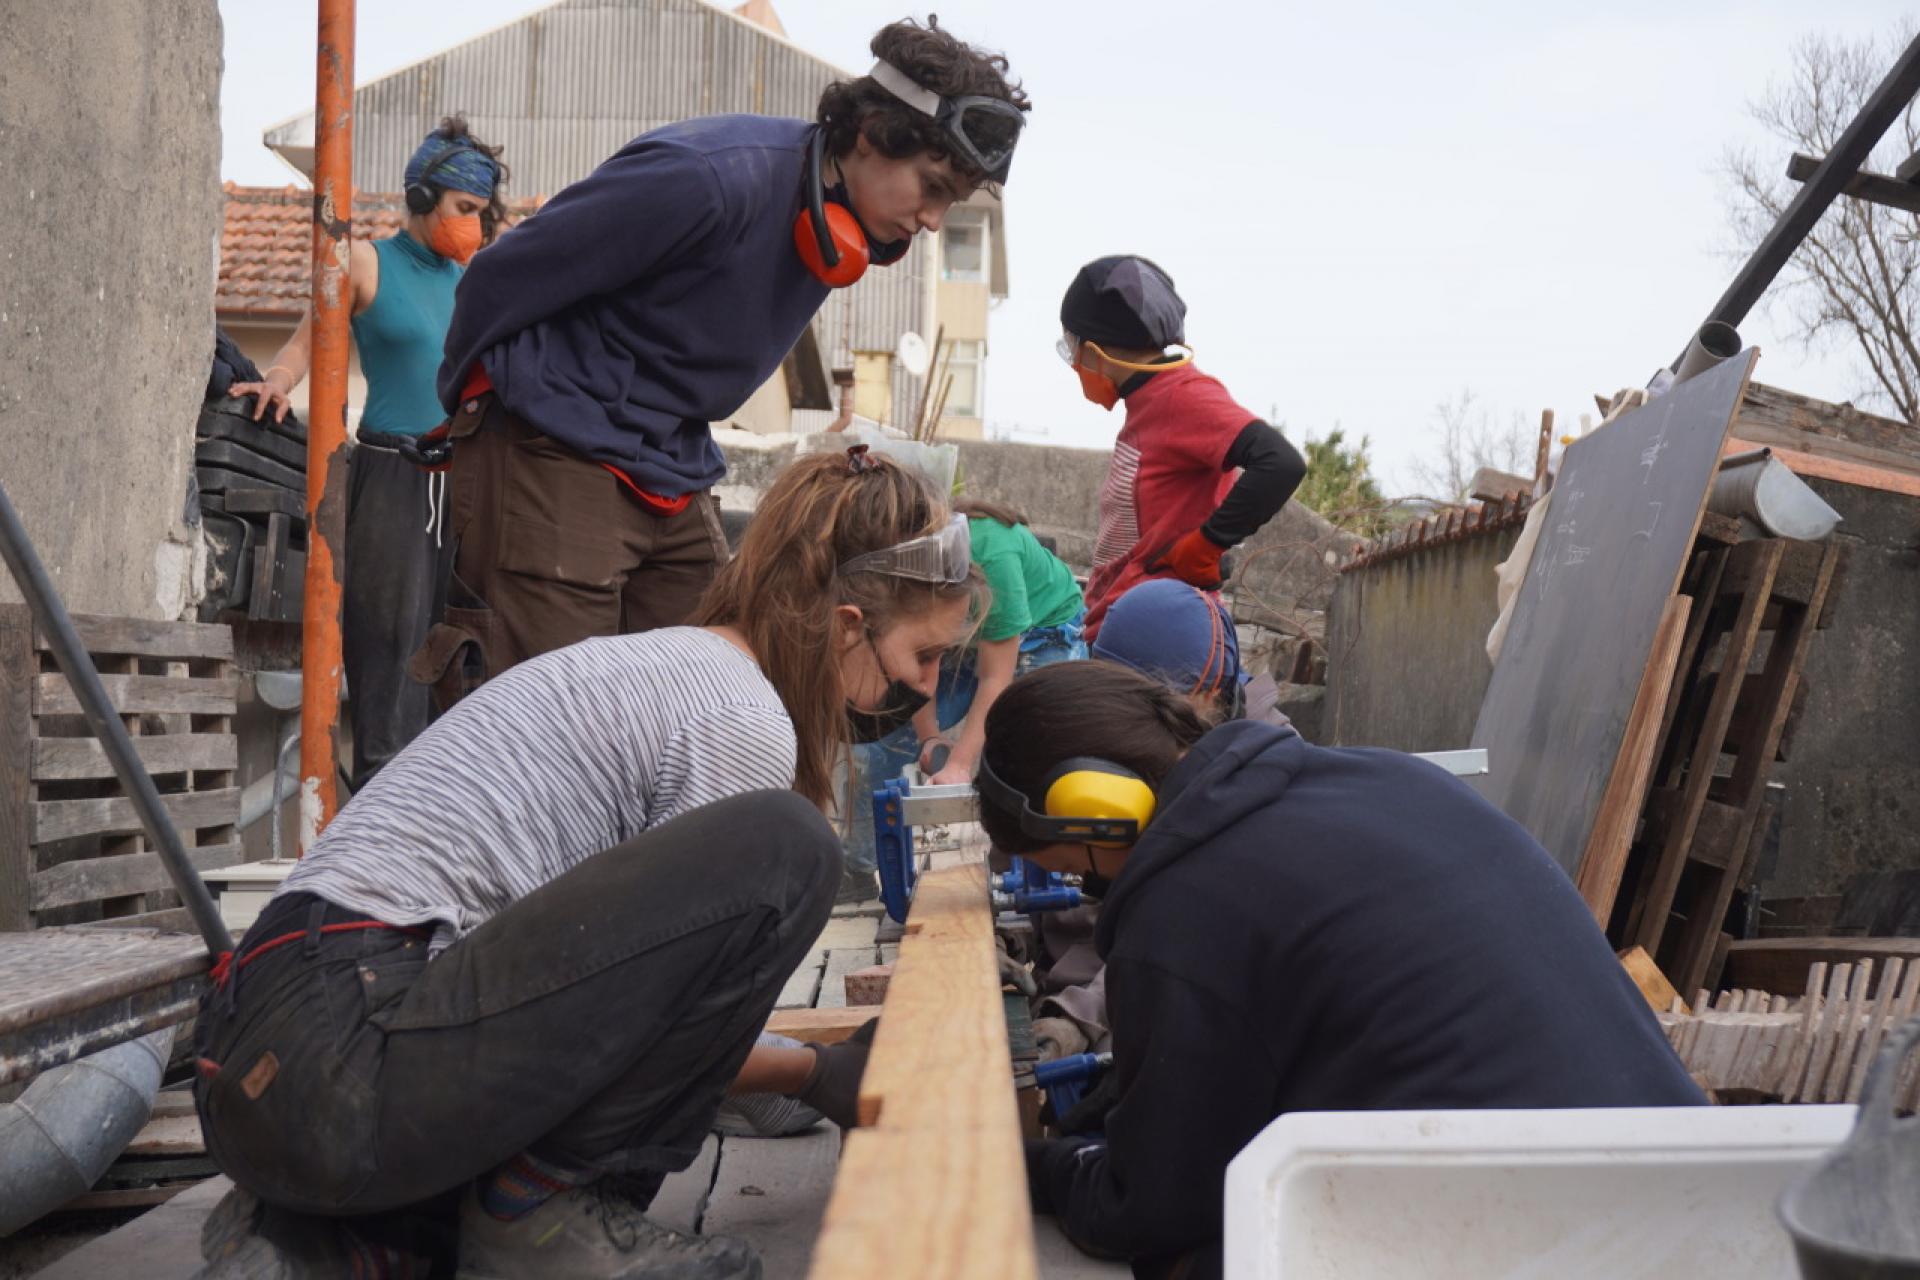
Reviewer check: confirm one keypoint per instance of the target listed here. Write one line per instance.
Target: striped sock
(526, 1182)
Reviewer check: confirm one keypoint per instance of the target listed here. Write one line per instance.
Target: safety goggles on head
(943, 556)
(983, 129)
(1068, 348)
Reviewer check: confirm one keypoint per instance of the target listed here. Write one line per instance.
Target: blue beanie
(470, 171)
(1176, 633)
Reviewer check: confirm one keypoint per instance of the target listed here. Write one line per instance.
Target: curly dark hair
(936, 60)
(493, 218)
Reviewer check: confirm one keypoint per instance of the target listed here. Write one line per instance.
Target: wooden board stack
(1815, 1048)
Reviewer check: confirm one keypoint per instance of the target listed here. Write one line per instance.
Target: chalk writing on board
(1650, 456)
(1653, 522)
(1576, 556)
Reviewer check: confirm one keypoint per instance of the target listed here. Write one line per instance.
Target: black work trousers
(597, 1021)
(397, 556)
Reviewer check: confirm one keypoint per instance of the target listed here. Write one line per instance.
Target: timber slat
(145, 638)
(118, 876)
(64, 819)
(68, 759)
(143, 695)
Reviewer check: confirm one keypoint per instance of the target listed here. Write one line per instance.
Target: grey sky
(1368, 206)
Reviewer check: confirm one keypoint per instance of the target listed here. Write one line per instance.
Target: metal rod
(1842, 162)
(320, 661)
(51, 617)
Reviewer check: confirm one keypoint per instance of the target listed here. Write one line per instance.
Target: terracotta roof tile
(266, 246)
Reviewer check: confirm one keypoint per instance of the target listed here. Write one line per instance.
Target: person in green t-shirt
(1034, 620)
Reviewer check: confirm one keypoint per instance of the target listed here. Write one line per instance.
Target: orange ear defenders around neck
(829, 238)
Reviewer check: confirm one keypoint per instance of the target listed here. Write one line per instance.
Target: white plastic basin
(1645, 1192)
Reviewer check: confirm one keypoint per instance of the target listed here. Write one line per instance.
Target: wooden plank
(682, 1198)
(1802, 417)
(1653, 984)
(957, 1209)
(1670, 859)
(772, 1193)
(1605, 858)
(1818, 466)
(1826, 1027)
(169, 1136)
(936, 1172)
(17, 666)
(191, 810)
(822, 1026)
(1621, 527)
(146, 637)
(1780, 964)
(841, 962)
(53, 971)
(91, 879)
(66, 759)
(142, 695)
(1847, 1042)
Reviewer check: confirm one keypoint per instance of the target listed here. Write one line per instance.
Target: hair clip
(857, 460)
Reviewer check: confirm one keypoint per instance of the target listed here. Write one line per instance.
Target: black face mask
(879, 252)
(900, 703)
(1092, 883)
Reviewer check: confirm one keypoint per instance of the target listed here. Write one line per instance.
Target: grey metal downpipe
(1715, 341)
(72, 1122)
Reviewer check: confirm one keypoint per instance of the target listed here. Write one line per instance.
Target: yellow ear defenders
(1087, 801)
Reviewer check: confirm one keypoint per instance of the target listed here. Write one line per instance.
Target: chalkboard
(1625, 507)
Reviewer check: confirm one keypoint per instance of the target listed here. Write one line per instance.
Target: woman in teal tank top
(396, 554)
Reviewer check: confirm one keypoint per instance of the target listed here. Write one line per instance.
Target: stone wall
(1282, 573)
(110, 153)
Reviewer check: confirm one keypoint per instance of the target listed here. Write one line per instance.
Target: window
(963, 248)
(964, 361)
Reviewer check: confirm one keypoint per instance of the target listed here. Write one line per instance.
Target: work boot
(595, 1232)
(245, 1238)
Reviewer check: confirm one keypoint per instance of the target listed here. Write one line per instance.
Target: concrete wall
(1406, 646)
(1852, 774)
(109, 151)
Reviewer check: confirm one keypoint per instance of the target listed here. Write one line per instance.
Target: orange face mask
(1100, 388)
(1097, 387)
(457, 237)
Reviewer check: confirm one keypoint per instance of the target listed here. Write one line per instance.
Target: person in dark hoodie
(1291, 928)
(590, 350)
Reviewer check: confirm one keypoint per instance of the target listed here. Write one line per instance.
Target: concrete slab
(1060, 1260)
(161, 1244)
(772, 1193)
(683, 1196)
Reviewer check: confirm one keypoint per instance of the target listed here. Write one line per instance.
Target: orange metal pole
(327, 419)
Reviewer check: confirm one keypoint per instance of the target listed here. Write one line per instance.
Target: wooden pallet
(1756, 608)
(71, 846)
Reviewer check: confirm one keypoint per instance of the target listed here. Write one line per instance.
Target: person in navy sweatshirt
(1292, 928)
(590, 349)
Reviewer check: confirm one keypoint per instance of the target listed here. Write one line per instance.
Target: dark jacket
(1309, 929)
(648, 299)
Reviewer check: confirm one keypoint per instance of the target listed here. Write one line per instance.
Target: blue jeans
(875, 762)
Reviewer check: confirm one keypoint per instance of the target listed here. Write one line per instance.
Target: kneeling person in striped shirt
(524, 966)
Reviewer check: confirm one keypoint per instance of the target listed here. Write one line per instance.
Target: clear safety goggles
(1068, 347)
(983, 130)
(943, 556)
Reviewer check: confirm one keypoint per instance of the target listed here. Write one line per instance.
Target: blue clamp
(1031, 888)
(893, 847)
(1066, 1079)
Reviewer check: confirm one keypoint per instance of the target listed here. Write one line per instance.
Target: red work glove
(1193, 558)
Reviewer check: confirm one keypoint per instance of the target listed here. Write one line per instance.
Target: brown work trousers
(550, 549)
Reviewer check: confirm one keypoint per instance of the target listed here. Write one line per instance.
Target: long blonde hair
(781, 587)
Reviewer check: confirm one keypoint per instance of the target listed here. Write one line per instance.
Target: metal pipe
(1715, 341)
(51, 617)
(320, 661)
(1841, 163)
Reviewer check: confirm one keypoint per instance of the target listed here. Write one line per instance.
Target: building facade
(568, 85)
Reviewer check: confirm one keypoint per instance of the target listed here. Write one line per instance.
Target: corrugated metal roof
(565, 87)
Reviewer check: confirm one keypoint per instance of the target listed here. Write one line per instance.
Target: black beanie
(1124, 301)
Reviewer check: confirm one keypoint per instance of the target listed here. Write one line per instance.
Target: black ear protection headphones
(1086, 800)
(422, 196)
(829, 238)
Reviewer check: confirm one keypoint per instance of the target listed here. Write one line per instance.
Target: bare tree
(1466, 437)
(1856, 280)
